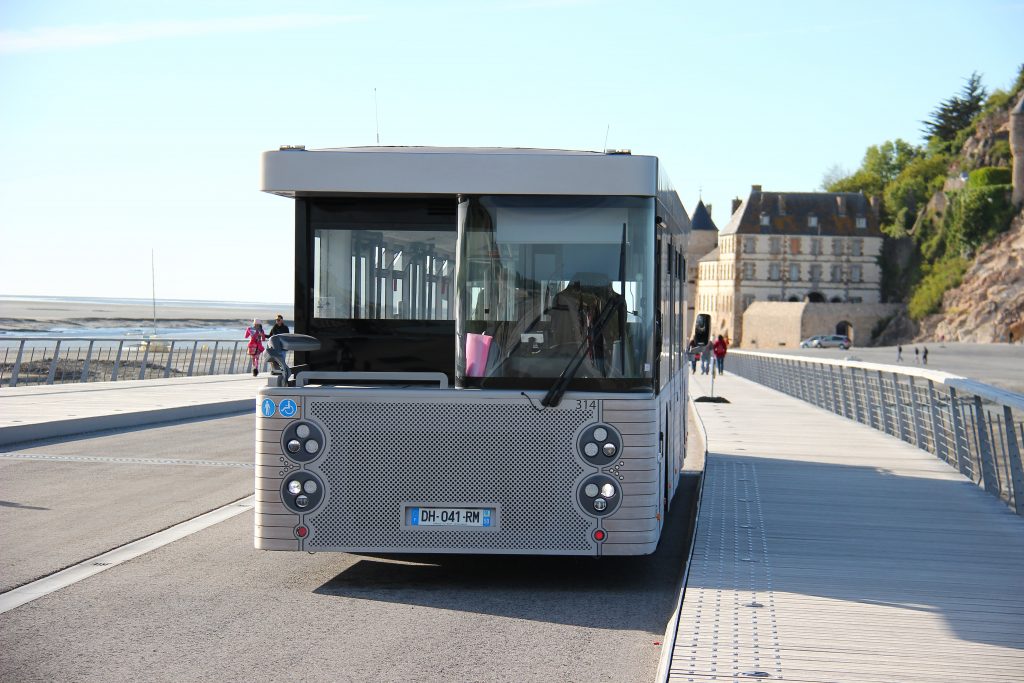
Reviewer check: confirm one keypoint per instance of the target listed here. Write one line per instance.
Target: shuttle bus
(490, 355)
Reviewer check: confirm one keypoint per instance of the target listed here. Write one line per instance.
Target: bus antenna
(606, 131)
(376, 114)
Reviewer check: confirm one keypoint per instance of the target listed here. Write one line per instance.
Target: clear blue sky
(127, 127)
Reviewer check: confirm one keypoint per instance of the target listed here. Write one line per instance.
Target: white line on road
(124, 461)
(83, 570)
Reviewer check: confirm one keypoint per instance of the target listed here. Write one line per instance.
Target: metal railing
(975, 427)
(63, 360)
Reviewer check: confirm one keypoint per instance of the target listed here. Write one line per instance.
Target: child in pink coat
(256, 337)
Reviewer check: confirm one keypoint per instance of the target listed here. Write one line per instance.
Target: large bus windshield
(536, 273)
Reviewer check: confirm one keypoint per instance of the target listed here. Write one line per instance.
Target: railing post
(834, 397)
(988, 470)
(886, 425)
(898, 405)
(17, 364)
(916, 411)
(234, 353)
(1016, 466)
(213, 358)
(145, 359)
(956, 422)
(53, 364)
(170, 361)
(85, 365)
(117, 361)
(857, 398)
(192, 361)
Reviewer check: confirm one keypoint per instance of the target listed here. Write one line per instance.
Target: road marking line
(123, 461)
(112, 558)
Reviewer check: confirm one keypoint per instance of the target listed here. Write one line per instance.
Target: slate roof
(702, 219)
(837, 214)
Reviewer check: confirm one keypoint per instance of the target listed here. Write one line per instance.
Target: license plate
(437, 516)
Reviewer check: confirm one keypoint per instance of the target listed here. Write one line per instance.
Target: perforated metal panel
(385, 453)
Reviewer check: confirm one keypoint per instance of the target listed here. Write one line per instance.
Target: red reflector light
(301, 531)
(598, 535)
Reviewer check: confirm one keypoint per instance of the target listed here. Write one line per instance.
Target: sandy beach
(17, 315)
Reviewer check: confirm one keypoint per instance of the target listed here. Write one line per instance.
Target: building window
(774, 297)
(749, 270)
(857, 247)
(775, 245)
(747, 300)
(837, 247)
(794, 245)
(766, 219)
(794, 272)
(836, 274)
(862, 222)
(812, 221)
(855, 274)
(816, 272)
(816, 246)
(854, 300)
(749, 245)
(774, 271)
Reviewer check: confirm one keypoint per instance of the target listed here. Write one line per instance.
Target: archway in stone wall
(845, 327)
(793, 298)
(815, 298)
(837, 300)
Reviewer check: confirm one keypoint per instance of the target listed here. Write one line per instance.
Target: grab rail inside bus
(371, 378)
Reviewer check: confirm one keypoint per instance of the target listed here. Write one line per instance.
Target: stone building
(791, 246)
(702, 240)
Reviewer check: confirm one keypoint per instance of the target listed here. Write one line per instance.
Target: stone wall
(773, 325)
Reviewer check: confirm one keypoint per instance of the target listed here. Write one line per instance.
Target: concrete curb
(15, 434)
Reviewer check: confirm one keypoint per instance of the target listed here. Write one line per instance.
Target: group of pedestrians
(705, 353)
(256, 336)
(919, 357)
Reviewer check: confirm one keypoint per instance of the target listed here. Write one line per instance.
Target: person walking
(924, 356)
(917, 356)
(719, 348)
(692, 350)
(705, 359)
(279, 327)
(899, 353)
(256, 337)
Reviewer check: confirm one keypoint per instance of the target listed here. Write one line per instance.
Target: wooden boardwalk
(827, 551)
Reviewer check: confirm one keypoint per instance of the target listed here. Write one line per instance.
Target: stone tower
(1017, 147)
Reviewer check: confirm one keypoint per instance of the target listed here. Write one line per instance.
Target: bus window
(383, 274)
(538, 274)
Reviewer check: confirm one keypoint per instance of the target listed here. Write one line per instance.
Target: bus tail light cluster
(599, 495)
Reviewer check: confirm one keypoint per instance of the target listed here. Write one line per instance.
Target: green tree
(910, 190)
(957, 112)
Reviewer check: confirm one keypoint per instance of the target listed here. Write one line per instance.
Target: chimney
(755, 188)
(876, 204)
(841, 204)
(782, 205)
(736, 204)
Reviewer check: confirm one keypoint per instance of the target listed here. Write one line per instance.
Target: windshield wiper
(557, 390)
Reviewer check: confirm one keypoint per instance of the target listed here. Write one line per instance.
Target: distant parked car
(826, 341)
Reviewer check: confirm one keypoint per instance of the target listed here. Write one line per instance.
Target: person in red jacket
(719, 348)
(256, 337)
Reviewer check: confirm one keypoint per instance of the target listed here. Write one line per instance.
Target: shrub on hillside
(989, 175)
(939, 278)
(977, 215)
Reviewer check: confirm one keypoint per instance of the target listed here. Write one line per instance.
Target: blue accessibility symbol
(288, 407)
(268, 407)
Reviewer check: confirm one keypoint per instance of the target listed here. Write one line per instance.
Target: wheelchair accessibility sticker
(268, 407)
(288, 407)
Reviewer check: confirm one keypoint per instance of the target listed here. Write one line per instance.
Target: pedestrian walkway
(827, 551)
(41, 412)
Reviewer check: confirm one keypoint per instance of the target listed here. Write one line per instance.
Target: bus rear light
(599, 535)
(301, 531)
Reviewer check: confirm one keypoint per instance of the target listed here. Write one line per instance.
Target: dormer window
(766, 219)
(812, 221)
(862, 222)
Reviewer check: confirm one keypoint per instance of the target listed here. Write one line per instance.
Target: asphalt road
(1001, 365)
(210, 607)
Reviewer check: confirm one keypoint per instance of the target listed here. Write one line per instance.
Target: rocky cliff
(988, 306)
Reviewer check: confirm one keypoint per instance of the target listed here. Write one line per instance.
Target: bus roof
(296, 171)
